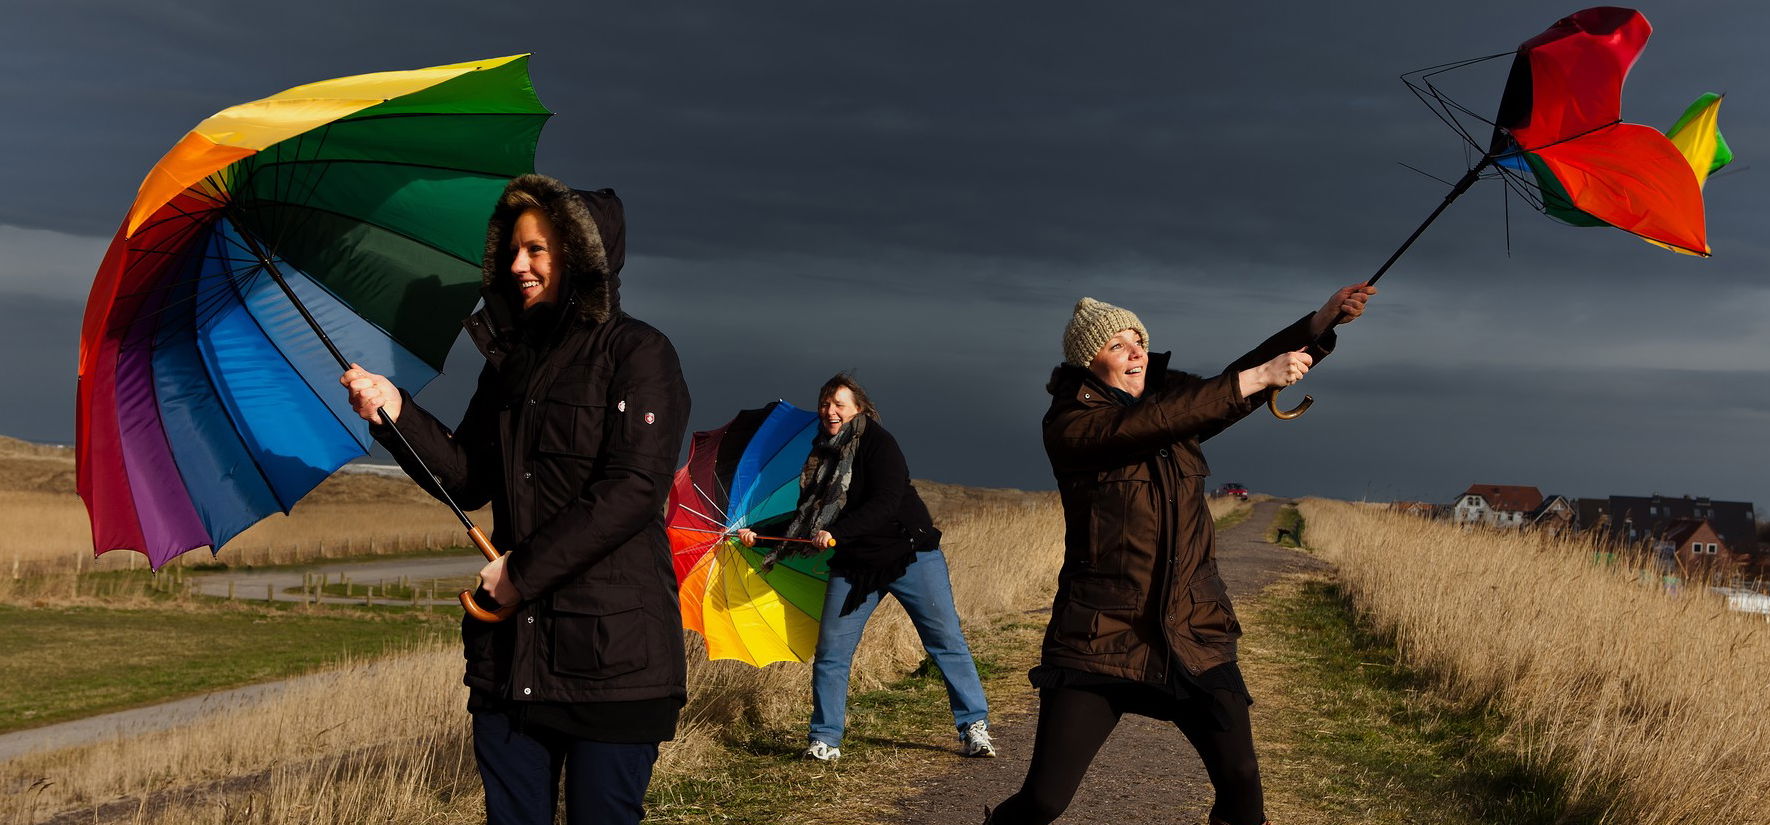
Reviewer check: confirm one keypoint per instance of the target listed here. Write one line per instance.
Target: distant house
(1555, 516)
(1496, 505)
(1693, 547)
(1423, 509)
(1630, 519)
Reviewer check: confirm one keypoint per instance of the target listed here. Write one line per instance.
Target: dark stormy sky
(920, 192)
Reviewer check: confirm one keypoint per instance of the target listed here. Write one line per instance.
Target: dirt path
(1146, 773)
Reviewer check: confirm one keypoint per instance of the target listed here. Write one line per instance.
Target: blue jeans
(927, 596)
(604, 783)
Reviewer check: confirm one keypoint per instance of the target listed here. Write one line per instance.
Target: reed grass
(1641, 702)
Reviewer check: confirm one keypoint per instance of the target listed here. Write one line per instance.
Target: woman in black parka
(571, 436)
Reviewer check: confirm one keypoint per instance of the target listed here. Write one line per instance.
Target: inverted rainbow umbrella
(1559, 140)
(278, 242)
(746, 475)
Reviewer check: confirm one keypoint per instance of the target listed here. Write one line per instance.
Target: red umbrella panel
(746, 475)
(1560, 123)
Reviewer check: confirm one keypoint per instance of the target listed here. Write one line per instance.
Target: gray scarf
(823, 484)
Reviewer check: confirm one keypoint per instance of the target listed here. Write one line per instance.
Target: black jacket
(576, 463)
(883, 520)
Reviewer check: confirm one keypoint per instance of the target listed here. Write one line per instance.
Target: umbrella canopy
(354, 206)
(746, 475)
(1560, 128)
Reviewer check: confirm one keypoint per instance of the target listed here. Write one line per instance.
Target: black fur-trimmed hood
(592, 229)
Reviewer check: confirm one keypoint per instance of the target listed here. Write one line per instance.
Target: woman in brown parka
(1142, 621)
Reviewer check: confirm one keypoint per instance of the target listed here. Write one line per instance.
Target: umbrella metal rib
(270, 269)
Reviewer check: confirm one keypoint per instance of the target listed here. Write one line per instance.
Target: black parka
(1139, 593)
(883, 519)
(576, 462)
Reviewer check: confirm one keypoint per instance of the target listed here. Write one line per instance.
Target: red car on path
(1232, 488)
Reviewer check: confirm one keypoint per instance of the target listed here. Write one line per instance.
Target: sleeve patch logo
(650, 419)
(621, 406)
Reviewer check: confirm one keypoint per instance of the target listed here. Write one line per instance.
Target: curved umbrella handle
(470, 603)
(469, 598)
(1282, 415)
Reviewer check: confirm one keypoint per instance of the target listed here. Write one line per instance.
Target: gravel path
(451, 570)
(1147, 772)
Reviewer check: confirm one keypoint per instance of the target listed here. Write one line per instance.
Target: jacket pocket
(1099, 616)
(1121, 519)
(600, 632)
(571, 419)
(479, 648)
(1212, 620)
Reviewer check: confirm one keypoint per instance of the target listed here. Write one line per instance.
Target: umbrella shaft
(277, 276)
(1455, 191)
(270, 268)
(758, 538)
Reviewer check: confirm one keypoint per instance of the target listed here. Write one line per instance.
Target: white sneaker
(974, 740)
(822, 752)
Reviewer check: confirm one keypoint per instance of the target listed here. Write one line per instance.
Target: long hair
(843, 379)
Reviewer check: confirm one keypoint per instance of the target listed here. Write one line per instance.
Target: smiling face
(1121, 362)
(533, 265)
(837, 409)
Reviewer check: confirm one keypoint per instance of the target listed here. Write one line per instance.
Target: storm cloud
(920, 192)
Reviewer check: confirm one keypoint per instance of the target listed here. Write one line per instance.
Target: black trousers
(1074, 722)
(604, 783)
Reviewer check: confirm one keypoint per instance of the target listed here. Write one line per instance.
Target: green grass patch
(67, 662)
(1364, 739)
(895, 735)
(1287, 528)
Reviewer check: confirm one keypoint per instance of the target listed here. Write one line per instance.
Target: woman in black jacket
(855, 492)
(571, 436)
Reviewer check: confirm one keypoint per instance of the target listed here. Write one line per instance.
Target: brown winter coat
(1139, 592)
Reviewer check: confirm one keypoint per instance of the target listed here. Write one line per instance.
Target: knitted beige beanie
(1094, 323)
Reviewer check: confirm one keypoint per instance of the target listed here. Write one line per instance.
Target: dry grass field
(387, 740)
(351, 514)
(1645, 704)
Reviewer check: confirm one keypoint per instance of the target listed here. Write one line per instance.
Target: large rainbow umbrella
(340, 221)
(746, 475)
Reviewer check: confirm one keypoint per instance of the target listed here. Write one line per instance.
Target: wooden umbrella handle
(468, 601)
(1286, 415)
(484, 544)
